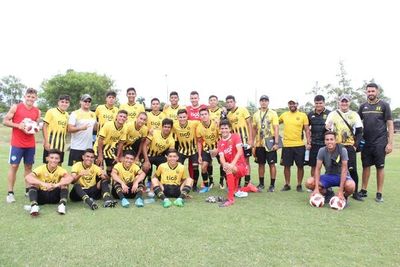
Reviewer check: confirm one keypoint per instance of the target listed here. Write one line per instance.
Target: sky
(244, 48)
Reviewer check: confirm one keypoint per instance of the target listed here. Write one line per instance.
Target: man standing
(171, 111)
(347, 125)
(215, 111)
(132, 107)
(155, 116)
(294, 123)
(317, 119)
(22, 144)
(266, 127)
(194, 110)
(108, 111)
(55, 127)
(378, 135)
(80, 124)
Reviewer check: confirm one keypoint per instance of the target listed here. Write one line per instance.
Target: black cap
(264, 97)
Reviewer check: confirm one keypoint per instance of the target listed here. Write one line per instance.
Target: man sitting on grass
(128, 181)
(90, 182)
(171, 180)
(49, 184)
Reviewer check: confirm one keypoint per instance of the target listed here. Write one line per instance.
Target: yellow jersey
(209, 134)
(133, 134)
(237, 118)
(172, 113)
(186, 137)
(111, 136)
(57, 122)
(45, 175)
(127, 175)
(215, 115)
(133, 110)
(264, 122)
(154, 120)
(105, 114)
(171, 176)
(89, 180)
(158, 143)
(293, 125)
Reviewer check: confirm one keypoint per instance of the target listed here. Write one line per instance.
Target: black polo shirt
(317, 125)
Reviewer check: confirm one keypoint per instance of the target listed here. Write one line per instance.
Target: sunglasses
(87, 101)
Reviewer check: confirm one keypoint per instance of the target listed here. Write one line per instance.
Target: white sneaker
(10, 198)
(241, 194)
(151, 194)
(35, 210)
(61, 209)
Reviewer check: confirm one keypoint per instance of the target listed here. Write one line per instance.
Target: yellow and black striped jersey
(171, 176)
(105, 114)
(186, 137)
(89, 180)
(128, 175)
(45, 175)
(133, 110)
(57, 122)
(215, 115)
(172, 113)
(154, 120)
(237, 118)
(209, 134)
(264, 122)
(158, 143)
(133, 134)
(111, 136)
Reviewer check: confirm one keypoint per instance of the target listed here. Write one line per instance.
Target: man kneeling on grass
(90, 182)
(128, 181)
(49, 184)
(334, 157)
(171, 180)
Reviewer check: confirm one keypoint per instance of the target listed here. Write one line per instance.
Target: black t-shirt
(374, 117)
(317, 125)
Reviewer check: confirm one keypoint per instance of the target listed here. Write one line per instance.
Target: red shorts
(242, 170)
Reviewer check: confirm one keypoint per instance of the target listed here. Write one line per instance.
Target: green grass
(278, 229)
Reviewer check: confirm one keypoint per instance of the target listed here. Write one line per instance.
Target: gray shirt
(333, 160)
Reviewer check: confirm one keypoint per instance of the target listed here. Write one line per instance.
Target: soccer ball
(317, 200)
(337, 203)
(30, 126)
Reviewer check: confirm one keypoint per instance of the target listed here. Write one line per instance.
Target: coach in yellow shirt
(294, 123)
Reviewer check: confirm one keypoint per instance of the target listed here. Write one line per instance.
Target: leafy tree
(74, 84)
(252, 108)
(11, 91)
(396, 113)
(141, 100)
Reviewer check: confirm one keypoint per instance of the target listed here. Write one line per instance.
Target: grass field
(265, 229)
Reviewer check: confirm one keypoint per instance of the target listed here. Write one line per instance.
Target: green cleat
(179, 202)
(166, 203)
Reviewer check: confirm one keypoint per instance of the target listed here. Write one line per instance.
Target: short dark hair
(224, 122)
(31, 91)
(330, 133)
(172, 150)
(182, 110)
(111, 93)
(130, 89)
(167, 121)
(88, 150)
(319, 98)
(230, 97)
(373, 85)
(64, 97)
(123, 111)
(204, 109)
(142, 113)
(194, 93)
(54, 151)
(173, 93)
(129, 152)
(211, 96)
(155, 99)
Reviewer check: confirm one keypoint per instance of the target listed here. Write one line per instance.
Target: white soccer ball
(337, 203)
(317, 200)
(30, 126)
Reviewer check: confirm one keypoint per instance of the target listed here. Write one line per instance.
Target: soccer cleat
(125, 203)
(204, 190)
(260, 187)
(151, 194)
(226, 204)
(139, 202)
(363, 193)
(221, 186)
(179, 202)
(195, 189)
(357, 197)
(286, 187)
(241, 194)
(299, 188)
(10, 198)
(253, 188)
(271, 188)
(61, 209)
(379, 198)
(166, 203)
(110, 203)
(211, 185)
(34, 210)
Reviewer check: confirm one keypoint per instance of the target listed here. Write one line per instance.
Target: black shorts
(172, 190)
(374, 155)
(49, 197)
(313, 155)
(92, 192)
(75, 156)
(352, 163)
(110, 162)
(205, 155)
(193, 158)
(126, 195)
(46, 153)
(158, 160)
(263, 156)
(293, 154)
(134, 148)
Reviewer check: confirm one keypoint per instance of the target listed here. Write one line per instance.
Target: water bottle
(307, 155)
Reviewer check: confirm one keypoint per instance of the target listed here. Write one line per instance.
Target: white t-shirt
(83, 139)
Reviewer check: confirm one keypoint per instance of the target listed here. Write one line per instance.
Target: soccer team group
(113, 150)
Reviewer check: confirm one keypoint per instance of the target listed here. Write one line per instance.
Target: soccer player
(334, 158)
(110, 135)
(55, 125)
(317, 119)
(81, 124)
(171, 111)
(294, 123)
(22, 144)
(207, 134)
(172, 181)
(265, 126)
(378, 135)
(347, 125)
(155, 116)
(90, 182)
(193, 111)
(240, 121)
(215, 111)
(127, 181)
(49, 184)
(232, 160)
(185, 132)
(106, 112)
(132, 107)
